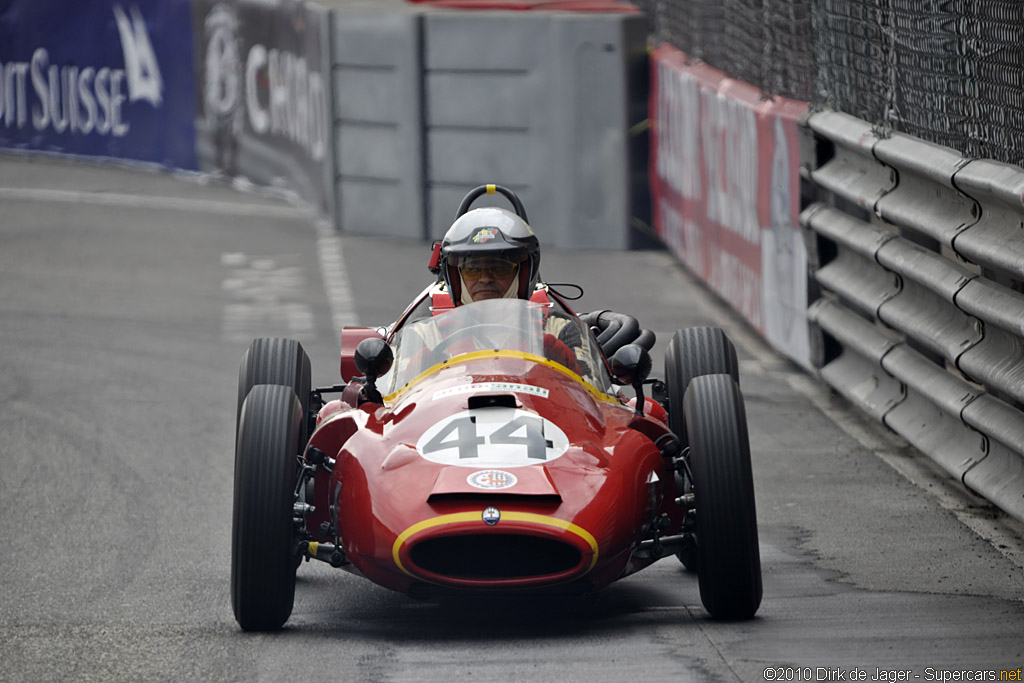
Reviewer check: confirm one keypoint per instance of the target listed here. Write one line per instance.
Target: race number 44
(491, 437)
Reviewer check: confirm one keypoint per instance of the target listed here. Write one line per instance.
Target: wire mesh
(947, 71)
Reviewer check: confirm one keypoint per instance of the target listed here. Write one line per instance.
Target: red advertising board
(725, 186)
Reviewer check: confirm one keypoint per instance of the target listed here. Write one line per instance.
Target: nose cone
(492, 548)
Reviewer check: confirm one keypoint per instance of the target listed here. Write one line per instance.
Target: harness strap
(441, 301)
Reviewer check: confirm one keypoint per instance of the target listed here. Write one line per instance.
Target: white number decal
(491, 437)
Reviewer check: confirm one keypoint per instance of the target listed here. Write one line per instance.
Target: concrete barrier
(431, 99)
(376, 55)
(540, 102)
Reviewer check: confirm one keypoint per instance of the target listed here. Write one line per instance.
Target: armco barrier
(919, 259)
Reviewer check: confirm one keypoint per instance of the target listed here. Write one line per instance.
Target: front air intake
(494, 556)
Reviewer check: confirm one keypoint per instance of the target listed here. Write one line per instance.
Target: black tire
(693, 352)
(272, 360)
(262, 535)
(728, 556)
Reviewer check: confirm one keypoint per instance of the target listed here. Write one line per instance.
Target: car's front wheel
(273, 360)
(262, 536)
(728, 556)
(693, 352)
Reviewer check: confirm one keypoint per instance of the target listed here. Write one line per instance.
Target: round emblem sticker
(492, 480)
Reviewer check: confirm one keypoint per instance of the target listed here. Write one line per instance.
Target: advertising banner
(725, 189)
(263, 113)
(110, 78)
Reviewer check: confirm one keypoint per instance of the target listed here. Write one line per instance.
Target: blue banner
(110, 78)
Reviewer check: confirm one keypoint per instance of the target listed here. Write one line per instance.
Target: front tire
(262, 535)
(728, 556)
(694, 352)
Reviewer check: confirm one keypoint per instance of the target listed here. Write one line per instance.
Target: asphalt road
(126, 301)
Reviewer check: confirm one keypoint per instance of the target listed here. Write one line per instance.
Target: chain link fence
(946, 71)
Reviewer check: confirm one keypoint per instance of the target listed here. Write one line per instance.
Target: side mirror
(373, 357)
(631, 365)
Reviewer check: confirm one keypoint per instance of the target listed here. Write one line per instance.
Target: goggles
(500, 269)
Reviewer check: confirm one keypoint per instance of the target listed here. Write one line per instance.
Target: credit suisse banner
(110, 78)
(726, 191)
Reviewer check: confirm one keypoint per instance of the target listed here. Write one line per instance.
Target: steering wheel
(482, 333)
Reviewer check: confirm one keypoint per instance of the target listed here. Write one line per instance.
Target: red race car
(472, 451)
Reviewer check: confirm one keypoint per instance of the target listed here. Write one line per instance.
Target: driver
(491, 253)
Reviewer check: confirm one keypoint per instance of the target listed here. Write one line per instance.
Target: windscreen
(538, 330)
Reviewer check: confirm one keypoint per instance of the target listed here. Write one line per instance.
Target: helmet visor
(499, 268)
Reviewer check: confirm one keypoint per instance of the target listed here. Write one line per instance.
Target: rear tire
(273, 360)
(262, 535)
(693, 352)
(728, 556)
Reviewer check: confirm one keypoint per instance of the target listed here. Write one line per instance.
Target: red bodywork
(571, 513)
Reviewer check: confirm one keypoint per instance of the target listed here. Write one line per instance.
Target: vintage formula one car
(488, 460)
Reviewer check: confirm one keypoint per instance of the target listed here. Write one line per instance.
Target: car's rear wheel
(273, 360)
(262, 536)
(692, 352)
(727, 553)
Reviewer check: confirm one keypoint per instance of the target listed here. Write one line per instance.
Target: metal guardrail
(919, 255)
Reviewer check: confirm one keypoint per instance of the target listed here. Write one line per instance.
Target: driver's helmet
(490, 232)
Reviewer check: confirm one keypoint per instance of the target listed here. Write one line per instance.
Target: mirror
(373, 357)
(631, 364)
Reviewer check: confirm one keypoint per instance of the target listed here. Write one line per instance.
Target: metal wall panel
(925, 308)
(924, 200)
(997, 238)
(854, 273)
(853, 172)
(857, 372)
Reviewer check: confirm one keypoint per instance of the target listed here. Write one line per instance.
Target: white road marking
(116, 199)
(335, 278)
(263, 295)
